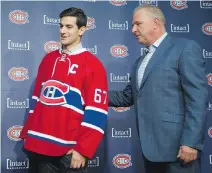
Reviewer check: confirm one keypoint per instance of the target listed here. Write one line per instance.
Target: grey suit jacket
(171, 102)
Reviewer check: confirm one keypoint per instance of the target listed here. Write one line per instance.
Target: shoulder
(186, 43)
(93, 62)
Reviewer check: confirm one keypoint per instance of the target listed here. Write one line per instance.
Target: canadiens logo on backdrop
(50, 21)
(90, 23)
(205, 4)
(122, 161)
(18, 17)
(12, 45)
(119, 51)
(93, 50)
(178, 4)
(121, 109)
(121, 133)
(207, 28)
(14, 132)
(52, 93)
(50, 46)
(209, 78)
(206, 54)
(148, 2)
(118, 2)
(210, 132)
(180, 28)
(114, 25)
(120, 78)
(15, 104)
(94, 162)
(18, 164)
(18, 73)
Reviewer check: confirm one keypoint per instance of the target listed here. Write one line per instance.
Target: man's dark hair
(75, 12)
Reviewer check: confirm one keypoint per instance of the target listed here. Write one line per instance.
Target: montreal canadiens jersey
(71, 105)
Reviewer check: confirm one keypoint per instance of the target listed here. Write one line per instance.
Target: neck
(72, 46)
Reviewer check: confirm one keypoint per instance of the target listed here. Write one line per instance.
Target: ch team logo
(50, 46)
(121, 109)
(18, 17)
(53, 93)
(209, 78)
(18, 73)
(210, 132)
(179, 4)
(122, 161)
(118, 2)
(207, 28)
(14, 132)
(90, 23)
(119, 51)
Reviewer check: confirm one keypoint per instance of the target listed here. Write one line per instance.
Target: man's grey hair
(154, 12)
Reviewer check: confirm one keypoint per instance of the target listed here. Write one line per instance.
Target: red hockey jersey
(71, 95)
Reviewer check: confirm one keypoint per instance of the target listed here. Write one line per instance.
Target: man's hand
(77, 160)
(187, 154)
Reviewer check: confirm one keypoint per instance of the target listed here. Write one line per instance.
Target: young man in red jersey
(68, 120)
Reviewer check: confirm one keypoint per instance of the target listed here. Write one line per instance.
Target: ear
(156, 22)
(82, 30)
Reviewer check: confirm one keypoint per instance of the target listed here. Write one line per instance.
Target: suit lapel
(156, 58)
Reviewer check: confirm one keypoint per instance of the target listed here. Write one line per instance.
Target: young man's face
(70, 34)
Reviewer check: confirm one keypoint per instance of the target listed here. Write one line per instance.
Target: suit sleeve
(121, 98)
(95, 96)
(195, 88)
(33, 100)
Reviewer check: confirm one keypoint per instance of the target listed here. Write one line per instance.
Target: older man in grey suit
(169, 91)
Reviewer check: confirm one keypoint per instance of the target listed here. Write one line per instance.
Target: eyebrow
(67, 25)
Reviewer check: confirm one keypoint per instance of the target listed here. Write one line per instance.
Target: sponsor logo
(121, 109)
(118, 2)
(119, 51)
(50, 46)
(179, 4)
(207, 28)
(148, 2)
(24, 164)
(209, 78)
(121, 133)
(94, 162)
(18, 17)
(18, 73)
(90, 0)
(18, 46)
(180, 28)
(113, 25)
(50, 21)
(210, 132)
(210, 159)
(206, 54)
(120, 78)
(205, 4)
(93, 50)
(209, 107)
(14, 132)
(17, 104)
(122, 161)
(90, 23)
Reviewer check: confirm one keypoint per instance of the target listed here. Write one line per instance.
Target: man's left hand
(187, 154)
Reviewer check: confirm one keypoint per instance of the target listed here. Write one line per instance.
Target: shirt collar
(158, 42)
(74, 50)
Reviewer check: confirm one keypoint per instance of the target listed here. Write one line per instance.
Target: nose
(134, 29)
(62, 30)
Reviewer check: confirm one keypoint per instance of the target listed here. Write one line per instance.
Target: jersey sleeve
(95, 96)
(33, 100)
